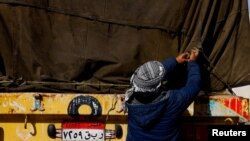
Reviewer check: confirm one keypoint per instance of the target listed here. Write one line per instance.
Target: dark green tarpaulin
(94, 46)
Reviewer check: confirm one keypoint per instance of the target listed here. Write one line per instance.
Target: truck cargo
(65, 65)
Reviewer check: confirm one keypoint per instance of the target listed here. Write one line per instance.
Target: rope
(214, 74)
(199, 47)
(114, 102)
(88, 17)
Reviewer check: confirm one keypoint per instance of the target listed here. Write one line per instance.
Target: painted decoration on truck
(78, 101)
(223, 105)
(230, 107)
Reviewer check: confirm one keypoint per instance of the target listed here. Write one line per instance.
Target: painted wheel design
(78, 101)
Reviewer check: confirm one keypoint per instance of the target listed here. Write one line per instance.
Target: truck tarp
(94, 46)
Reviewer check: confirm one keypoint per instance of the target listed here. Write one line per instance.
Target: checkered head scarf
(146, 78)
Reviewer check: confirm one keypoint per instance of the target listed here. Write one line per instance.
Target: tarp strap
(211, 67)
(89, 17)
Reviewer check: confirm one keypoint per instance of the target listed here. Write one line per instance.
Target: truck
(65, 65)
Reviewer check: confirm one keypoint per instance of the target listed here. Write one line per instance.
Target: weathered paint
(17, 112)
(53, 103)
(17, 132)
(223, 105)
(21, 119)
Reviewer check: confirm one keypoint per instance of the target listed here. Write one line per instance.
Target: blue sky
(249, 8)
(248, 5)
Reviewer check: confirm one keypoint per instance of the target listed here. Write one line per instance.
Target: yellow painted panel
(19, 110)
(54, 103)
(37, 132)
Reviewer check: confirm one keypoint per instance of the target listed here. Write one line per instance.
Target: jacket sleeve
(169, 65)
(188, 93)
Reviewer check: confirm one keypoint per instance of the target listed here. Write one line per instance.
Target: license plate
(82, 131)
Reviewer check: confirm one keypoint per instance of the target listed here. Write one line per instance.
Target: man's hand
(194, 54)
(183, 57)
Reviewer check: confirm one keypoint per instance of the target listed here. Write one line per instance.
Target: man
(154, 112)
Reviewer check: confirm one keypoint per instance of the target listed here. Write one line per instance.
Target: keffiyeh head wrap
(146, 78)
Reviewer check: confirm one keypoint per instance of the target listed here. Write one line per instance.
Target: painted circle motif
(78, 101)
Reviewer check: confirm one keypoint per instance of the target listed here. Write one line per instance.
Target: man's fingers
(195, 50)
(194, 54)
(186, 55)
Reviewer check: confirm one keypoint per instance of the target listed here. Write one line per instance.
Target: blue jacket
(159, 121)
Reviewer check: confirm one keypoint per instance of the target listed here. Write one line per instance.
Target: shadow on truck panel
(1, 134)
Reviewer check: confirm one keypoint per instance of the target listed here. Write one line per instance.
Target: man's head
(148, 77)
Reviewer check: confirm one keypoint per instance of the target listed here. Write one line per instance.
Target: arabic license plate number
(83, 135)
(83, 131)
